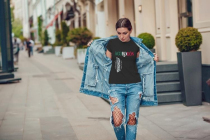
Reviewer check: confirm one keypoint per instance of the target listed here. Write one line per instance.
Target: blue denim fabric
(97, 68)
(128, 97)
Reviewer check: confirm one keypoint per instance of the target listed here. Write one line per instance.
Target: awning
(51, 23)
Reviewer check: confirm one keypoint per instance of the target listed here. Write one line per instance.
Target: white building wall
(201, 20)
(18, 12)
(26, 32)
(100, 20)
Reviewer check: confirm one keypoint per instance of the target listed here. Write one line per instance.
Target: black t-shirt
(124, 69)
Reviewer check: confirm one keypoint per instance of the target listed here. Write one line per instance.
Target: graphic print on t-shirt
(124, 54)
(118, 62)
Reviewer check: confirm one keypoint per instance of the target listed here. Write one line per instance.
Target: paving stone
(13, 137)
(56, 127)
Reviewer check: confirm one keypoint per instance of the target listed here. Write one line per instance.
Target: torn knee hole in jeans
(117, 116)
(132, 119)
(113, 100)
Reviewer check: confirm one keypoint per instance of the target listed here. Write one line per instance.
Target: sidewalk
(47, 105)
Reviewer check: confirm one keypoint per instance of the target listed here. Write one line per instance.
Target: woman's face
(124, 34)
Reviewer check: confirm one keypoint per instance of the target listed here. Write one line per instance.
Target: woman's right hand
(89, 43)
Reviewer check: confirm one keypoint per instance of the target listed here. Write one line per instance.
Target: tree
(40, 28)
(17, 28)
(46, 38)
(64, 33)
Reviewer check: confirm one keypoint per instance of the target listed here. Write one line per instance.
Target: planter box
(189, 65)
(58, 50)
(46, 48)
(68, 52)
(81, 55)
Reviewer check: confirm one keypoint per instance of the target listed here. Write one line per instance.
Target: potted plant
(67, 51)
(58, 42)
(80, 36)
(45, 42)
(188, 41)
(148, 40)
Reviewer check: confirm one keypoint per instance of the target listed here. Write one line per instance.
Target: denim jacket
(95, 80)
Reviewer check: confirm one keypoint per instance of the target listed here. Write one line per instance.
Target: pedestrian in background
(28, 47)
(32, 46)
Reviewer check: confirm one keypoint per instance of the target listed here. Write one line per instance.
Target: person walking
(28, 45)
(32, 47)
(130, 67)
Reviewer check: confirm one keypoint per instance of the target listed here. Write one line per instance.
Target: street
(46, 105)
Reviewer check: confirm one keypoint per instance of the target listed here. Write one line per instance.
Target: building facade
(161, 18)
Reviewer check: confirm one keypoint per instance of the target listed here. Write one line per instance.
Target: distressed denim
(125, 97)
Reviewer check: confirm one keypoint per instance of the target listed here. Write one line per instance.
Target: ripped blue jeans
(121, 97)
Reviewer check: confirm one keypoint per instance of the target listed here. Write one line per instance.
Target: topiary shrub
(148, 40)
(188, 39)
(79, 36)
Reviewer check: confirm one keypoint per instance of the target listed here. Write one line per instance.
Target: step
(166, 67)
(9, 80)
(6, 75)
(169, 97)
(168, 86)
(3, 71)
(168, 76)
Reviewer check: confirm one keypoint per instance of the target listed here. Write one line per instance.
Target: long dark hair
(124, 22)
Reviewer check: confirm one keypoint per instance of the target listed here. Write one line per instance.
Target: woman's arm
(156, 57)
(137, 54)
(108, 54)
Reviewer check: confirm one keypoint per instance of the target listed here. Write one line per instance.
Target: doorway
(185, 13)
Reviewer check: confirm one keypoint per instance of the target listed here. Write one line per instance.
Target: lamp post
(5, 36)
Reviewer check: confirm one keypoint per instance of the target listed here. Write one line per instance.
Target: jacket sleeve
(91, 71)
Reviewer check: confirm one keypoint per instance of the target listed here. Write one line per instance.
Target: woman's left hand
(156, 57)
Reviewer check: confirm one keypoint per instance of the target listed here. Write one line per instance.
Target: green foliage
(79, 36)
(96, 38)
(46, 38)
(12, 14)
(17, 28)
(64, 33)
(188, 39)
(148, 40)
(58, 41)
(40, 28)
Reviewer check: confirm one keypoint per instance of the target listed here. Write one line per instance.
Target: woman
(125, 91)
